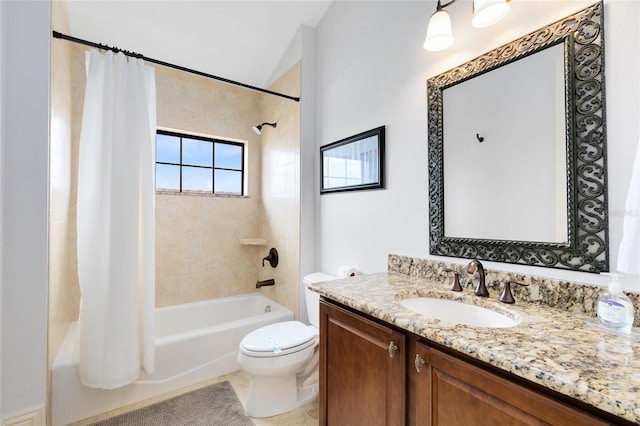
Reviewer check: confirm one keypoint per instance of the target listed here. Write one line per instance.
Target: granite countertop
(551, 347)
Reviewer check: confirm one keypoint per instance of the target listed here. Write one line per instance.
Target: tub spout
(265, 283)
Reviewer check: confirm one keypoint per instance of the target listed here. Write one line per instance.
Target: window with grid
(186, 163)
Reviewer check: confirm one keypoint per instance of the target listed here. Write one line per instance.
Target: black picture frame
(340, 162)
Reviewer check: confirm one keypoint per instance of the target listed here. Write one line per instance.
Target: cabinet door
(459, 393)
(361, 370)
(419, 390)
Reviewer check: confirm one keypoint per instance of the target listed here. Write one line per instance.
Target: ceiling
(239, 40)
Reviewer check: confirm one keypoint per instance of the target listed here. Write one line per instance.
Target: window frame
(213, 167)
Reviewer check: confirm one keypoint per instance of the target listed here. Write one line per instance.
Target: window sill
(200, 194)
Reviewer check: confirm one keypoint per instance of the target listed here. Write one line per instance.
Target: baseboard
(32, 417)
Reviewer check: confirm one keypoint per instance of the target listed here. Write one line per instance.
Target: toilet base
(270, 395)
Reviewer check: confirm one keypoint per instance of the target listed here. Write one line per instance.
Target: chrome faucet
(481, 288)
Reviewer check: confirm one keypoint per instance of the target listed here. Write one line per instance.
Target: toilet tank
(313, 298)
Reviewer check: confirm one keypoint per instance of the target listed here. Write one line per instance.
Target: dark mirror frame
(378, 133)
(587, 247)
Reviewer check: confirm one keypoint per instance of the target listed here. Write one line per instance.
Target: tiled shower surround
(565, 295)
(199, 254)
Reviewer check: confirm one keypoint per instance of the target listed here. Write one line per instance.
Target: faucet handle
(506, 296)
(455, 282)
(272, 258)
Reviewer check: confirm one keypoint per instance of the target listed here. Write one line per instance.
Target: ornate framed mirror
(517, 151)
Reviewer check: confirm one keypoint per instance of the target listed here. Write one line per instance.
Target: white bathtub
(194, 342)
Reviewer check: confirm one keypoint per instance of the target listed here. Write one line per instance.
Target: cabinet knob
(419, 363)
(392, 349)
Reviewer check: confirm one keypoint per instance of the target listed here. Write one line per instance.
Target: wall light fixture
(485, 13)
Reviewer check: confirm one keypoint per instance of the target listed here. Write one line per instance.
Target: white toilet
(282, 360)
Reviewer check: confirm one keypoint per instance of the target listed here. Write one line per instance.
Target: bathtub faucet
(265, 283)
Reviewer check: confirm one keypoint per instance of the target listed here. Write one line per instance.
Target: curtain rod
(56, 34)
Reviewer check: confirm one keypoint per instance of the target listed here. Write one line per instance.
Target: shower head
(258, 129)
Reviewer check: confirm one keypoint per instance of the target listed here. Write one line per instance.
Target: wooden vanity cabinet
(421, 385)
(362, 370)
(450, 391)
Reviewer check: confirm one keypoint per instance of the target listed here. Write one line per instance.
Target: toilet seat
(279, 339)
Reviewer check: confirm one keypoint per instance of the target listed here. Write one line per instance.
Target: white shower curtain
(116, 242)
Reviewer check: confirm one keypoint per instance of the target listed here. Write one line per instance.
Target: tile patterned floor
(306, 415)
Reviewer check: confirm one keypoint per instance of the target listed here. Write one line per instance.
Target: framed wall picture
(354, 163)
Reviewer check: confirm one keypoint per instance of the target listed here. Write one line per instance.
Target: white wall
(372, 71)
(25, 46)
(302, 48)
(308, 165)
(2, 41)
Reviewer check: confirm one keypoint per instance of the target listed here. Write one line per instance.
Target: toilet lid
(279, 339)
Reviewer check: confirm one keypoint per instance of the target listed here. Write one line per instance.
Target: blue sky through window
(167, 149)
(228, 156)
(196, 165)
(197, 153)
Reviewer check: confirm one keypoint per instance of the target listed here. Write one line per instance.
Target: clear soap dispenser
(615, 309)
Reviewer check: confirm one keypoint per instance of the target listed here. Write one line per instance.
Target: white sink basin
(457, 312)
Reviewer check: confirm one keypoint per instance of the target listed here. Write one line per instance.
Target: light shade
(439, 35)
(488, 12)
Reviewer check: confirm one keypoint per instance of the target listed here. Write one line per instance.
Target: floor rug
(217, 404)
